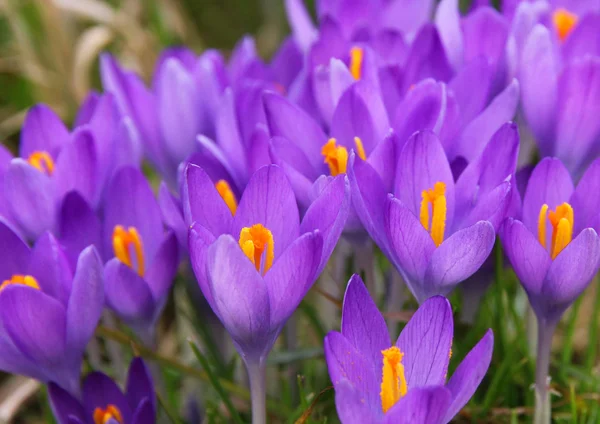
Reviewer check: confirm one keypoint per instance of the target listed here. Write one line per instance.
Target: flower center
(126, 241)
(356, 60)
(255, 241)
(564, 22)
(25, 280)
(226, 193)
(436, 198)
(337, 156)
(562, 227)
(103, 416)
(393, 381)
(41, 161)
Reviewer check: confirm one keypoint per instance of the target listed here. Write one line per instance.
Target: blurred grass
(49, 48)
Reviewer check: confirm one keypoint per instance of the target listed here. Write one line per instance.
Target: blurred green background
(49, 48)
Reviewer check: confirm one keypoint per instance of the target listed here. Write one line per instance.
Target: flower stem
(258, 393)
(542, 395)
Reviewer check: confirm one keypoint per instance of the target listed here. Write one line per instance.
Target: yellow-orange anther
(103, 416)
(42, 161)
(435, 197)
(123, 241)
(226, 193)
(255, 241)
(335, 156)
(564, 22)
(393, 381)
(25, 280)
(356, 60)
(562, 221)
(360, 150)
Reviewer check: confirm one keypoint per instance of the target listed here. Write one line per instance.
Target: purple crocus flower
(103, 402)
(310, 158)
(483, 33)
(376, 381)
(192, 96)
(142, 257)
(436, 232)
(255, 266)
(48, 313)
(358, 20)
(565, 70)
(554, 251)
(54, 163)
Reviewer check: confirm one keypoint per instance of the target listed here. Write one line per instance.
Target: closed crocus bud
(377, 381)
(48, 313)
(103, 402)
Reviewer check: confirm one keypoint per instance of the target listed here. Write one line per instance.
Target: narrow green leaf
(215, 383)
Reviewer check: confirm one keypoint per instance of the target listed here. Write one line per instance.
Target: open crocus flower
(308, 156)
(376, 381)
(260, 260)
(47, 313)
(54, 163)
(554, 252)
(144, 256)
(555, 249)
(434, 235)
(103, 402)
(255, 265)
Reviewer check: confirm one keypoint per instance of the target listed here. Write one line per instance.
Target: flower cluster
(386, 121)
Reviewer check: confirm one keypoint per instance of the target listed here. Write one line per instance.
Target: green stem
(542, 394)
(258, 390)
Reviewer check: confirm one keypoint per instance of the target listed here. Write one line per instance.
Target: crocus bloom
(554, 251)
(436, 232)
(255, 266)
(47, 313)
(144, 256)
(103, 402)
(308, 155)
(187, 100)
(376, 381)
(564, 124)
(54, 162)
(483, 33)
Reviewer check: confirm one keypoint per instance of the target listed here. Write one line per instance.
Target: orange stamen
(564, 22)
(41, 161)
(226, 193)
(123, 240)
(393, 380)
(360, 150)
(335, 156)
(103, 416)
(435, 197)
(25, 280)
(255, 241)
(562, 221)
(356, 60)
